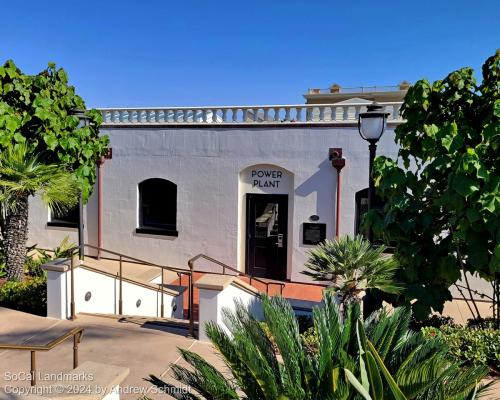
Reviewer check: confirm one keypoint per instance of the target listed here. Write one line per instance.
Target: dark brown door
(267, 226)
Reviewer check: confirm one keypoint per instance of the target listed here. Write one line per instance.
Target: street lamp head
(371, 124)
(83, 119)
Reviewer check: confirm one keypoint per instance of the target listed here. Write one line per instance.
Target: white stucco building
(251, 186)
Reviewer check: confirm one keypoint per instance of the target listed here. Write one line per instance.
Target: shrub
(401, 364)
(306, 329)
(352, 266)
(29, 296)
(483, 323)
(32, 266)
(310, 341)
(470, 346)
(434, 321)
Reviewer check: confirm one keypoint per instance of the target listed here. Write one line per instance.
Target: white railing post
(266, 114)
(298, 114)
(357, 110)
(309, 112)
(276, 114)
(287, 114)
(345, 113)
(321, 113)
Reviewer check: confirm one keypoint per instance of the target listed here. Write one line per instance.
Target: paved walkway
(145, 349)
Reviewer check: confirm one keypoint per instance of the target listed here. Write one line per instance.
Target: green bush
(471, 346)
(310, 341)
(378, 357)
(29, 296)
(308, 334)
(33, 266)
(434, 321)
(483, 323)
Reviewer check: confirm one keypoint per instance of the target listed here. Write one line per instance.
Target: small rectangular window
(68, 219)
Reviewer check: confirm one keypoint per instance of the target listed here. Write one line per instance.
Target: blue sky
(198, 52)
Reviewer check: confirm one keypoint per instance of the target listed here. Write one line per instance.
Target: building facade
(253, 187)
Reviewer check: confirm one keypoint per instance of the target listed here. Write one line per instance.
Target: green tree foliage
(352, 266)
(37, 110)
(399, 361)
(443, 192)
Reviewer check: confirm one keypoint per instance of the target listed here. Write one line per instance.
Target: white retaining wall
(104, 296)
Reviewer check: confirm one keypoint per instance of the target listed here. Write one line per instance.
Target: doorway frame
(285, 198)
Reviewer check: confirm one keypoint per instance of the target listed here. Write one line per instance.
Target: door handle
(280, 240)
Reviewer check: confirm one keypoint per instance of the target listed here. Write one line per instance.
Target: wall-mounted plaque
(313, 233)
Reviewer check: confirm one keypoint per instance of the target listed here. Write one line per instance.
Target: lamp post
(84, 120)
(371, 126)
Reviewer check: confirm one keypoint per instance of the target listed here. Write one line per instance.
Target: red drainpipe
(100, 165)
(338, 162)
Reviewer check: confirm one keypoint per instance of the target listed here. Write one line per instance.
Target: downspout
(338, 162)
(100, 165)
(337, 217)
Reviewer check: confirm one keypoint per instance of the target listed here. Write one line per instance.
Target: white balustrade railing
(246, 115)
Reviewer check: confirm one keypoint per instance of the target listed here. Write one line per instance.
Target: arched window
(361, 209)
(361, 198)
(158, 207)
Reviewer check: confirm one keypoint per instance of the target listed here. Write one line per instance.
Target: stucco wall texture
(207, 164)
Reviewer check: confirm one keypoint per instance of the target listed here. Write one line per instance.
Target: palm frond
(204, 378)
(240, 371)
(23, 174)
(284, 328)
(352, 266)
(171, 389)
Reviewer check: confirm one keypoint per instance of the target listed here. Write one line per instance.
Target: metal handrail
(121, 258)
(77, 337)
(137, 260)
(224, 268)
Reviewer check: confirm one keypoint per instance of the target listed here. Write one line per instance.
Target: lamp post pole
(371, 183)
(371, 126)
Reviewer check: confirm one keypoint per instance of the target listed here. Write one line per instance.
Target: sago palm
(414, 367)
(352, 266)
(23, 174)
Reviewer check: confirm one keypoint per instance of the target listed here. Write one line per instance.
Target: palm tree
(23, 174)
(353, 266)
(406, 363)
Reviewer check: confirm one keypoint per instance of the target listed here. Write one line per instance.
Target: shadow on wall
(324, 183)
